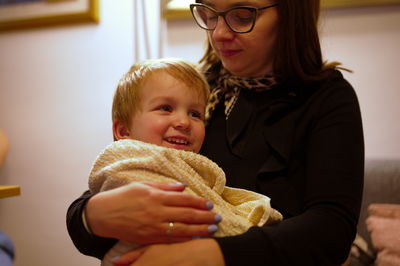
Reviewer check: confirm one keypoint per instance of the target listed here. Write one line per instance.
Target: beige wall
(367, 40)
(56, 86)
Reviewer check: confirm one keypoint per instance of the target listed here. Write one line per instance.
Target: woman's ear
(120, 131)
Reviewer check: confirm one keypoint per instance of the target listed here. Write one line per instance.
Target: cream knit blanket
(127, 161)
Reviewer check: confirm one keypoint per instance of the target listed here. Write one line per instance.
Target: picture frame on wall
(22, 14)
(355, 3)
(179, 9)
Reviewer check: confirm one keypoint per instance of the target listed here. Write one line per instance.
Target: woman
(281, 122)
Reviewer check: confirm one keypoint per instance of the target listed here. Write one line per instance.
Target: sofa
(381, 185)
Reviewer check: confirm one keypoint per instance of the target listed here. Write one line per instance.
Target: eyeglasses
(240, 19)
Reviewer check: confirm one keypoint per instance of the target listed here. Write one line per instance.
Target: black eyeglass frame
(254, 11)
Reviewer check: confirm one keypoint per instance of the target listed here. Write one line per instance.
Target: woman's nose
(222, 31)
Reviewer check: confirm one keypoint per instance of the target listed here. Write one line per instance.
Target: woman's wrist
(85, 223)
(89, 216)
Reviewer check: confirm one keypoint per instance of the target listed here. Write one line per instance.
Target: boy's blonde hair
(126, 98)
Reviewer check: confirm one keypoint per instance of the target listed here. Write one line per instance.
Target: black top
(304, 149)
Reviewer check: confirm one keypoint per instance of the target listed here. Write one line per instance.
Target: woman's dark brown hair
(298, 58)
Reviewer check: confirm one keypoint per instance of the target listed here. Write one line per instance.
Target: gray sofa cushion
(381, 185)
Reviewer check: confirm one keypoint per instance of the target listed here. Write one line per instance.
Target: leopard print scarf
(229, 87)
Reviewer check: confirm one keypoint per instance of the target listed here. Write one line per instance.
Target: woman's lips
(228, 52)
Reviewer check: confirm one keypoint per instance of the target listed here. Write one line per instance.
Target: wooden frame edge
(91, 15)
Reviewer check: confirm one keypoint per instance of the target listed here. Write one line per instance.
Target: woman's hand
(201, 252)
(140, 213)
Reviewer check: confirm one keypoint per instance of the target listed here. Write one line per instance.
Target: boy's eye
(195, 114)
(165, 108)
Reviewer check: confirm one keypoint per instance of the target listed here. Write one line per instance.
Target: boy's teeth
(180, 141)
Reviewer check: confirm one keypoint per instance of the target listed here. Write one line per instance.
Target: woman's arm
(201, 252)
(84, 241)
(137, 213)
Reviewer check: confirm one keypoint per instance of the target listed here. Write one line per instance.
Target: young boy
(158, 122)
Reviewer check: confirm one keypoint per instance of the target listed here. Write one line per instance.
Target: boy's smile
(170, 114)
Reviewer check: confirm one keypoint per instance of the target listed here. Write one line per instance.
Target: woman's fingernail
(181, 184)
(212, 228)
(115, 258)
(196, 237)
(209, 205)
(217, 218)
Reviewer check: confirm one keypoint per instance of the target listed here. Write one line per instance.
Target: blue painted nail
(115, 258)
(209, 205)
(212, 229)
(218, 218)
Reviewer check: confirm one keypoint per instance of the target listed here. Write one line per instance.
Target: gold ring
(169, 230)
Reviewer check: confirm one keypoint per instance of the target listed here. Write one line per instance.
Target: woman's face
(246, 54)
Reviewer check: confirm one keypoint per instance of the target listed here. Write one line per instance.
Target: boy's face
(170, 114)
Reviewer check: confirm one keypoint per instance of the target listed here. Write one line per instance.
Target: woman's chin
(233, 68)
(240, 71)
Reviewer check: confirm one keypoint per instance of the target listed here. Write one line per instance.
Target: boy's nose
(181, 122)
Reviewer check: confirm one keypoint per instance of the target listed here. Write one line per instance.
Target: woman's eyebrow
(207, 3)
(242, 3)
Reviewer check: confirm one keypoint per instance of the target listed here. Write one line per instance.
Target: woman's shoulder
(331, 84)
(334, 80)
(333, 87)
(332, 95)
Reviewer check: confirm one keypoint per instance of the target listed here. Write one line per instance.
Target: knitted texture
(127, 161)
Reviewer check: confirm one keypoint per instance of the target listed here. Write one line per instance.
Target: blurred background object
(6, 245)
(3, 147)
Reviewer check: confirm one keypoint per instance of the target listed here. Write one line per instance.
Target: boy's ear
(120, 131)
